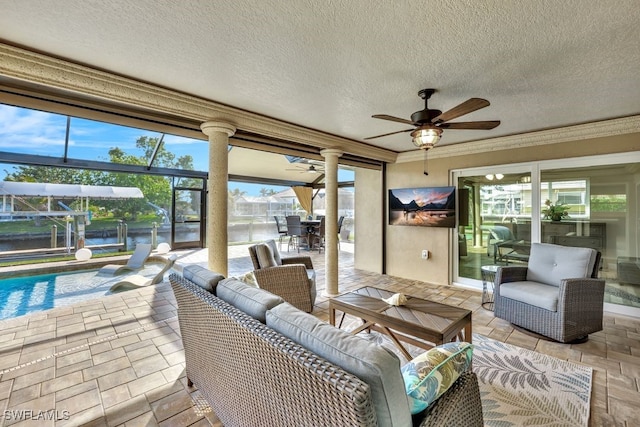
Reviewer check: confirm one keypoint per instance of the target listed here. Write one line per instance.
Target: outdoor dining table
(310, 223)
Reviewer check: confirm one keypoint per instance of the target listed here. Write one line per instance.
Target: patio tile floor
(119, 360)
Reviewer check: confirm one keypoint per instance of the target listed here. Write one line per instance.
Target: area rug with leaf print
(518, 387)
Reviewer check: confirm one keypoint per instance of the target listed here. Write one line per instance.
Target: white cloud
(179, 140)
(30, 130)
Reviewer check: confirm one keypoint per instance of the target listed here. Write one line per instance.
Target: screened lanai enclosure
(70, 182)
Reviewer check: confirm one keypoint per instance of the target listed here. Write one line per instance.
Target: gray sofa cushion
(532, 293)
(550, 264)
(253, 301)
(371, 363)
(202, 277)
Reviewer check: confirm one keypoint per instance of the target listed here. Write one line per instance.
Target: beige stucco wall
(368, 230)
(586, 147)
(404, 244)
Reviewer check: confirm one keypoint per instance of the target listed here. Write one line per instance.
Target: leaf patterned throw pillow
(430, 374)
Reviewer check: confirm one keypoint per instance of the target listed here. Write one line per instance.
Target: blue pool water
(24, 295)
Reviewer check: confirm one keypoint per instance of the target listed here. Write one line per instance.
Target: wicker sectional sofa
(244, 352)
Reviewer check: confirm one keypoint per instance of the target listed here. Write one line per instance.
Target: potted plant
(555, 212)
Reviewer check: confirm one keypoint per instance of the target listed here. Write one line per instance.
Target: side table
(488, 280)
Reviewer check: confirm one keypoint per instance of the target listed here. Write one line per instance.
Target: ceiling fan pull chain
(424, 164)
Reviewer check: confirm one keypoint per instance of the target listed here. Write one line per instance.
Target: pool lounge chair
(135, 262)
(139, 281)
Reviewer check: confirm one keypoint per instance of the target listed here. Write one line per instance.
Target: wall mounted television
(424, 206)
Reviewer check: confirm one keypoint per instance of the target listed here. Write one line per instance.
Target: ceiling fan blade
(390, 133)
(485, 125)
(466, 107)
(392, 118)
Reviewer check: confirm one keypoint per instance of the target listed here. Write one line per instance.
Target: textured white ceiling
(330, 65)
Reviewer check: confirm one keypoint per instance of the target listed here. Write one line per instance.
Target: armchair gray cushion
(299, 259)
(534, 293)
(265, 256)
(550, 264)
(274, 250)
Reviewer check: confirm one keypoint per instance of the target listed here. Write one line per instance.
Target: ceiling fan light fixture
(425, 137)
(491, 176)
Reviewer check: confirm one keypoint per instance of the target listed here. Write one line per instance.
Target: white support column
(217, 186)
(331, 156)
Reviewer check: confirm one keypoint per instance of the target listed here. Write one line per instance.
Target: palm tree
(265, 192)
(233, 196)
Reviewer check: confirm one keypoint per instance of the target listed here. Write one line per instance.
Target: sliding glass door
(509, 207)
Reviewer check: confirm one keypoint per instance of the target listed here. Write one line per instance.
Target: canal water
(237, 233)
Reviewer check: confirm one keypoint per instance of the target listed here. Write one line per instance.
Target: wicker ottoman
(629, 270)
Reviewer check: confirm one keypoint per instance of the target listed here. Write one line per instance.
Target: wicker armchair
(556, 295)
(292, 278)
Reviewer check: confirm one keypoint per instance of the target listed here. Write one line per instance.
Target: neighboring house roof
(68, 190)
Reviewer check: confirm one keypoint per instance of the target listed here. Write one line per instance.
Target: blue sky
(422, 196)
(28, 131)
(36, 132)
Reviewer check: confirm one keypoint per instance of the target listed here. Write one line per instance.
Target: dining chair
(340, 221)
(296, 232)
(282, 231)
(318, 236)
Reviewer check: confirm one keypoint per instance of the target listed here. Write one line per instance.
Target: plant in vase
(555, 212)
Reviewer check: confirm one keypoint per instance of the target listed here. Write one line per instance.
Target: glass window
(46, 134)
(572, 194)
(190, 154)
(29, 131)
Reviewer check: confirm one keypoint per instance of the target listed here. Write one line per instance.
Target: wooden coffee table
(420, 322)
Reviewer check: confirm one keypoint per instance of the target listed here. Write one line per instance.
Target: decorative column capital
(211, 127)
(331, 151)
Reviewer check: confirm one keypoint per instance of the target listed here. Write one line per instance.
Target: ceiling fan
(307, 169)
(429, 124)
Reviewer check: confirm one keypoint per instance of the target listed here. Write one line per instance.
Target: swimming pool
(25, 295)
